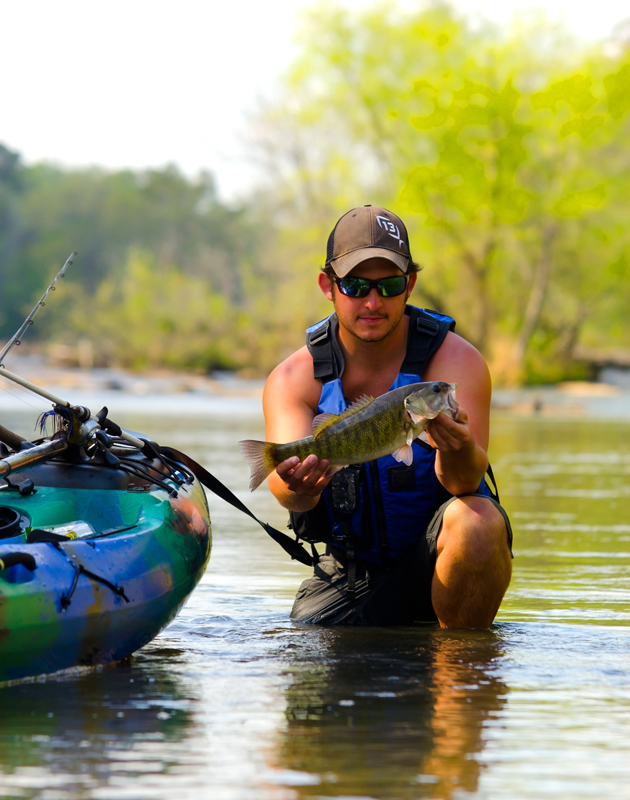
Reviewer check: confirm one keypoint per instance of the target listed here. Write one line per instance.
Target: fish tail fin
(259, 456)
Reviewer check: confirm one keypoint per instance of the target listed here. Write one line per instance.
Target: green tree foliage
(10, 185)
(104, 215)
(179, 224)
(168, 318)
(504, 153)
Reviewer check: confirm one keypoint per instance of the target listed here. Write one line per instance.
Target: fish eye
(436, 388)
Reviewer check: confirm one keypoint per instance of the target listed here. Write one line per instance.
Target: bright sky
(140, 83)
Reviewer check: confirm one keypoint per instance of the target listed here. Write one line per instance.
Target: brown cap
(367, 232)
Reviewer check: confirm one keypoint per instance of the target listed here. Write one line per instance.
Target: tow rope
(291, 546)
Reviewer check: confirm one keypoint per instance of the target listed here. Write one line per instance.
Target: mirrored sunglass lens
(391, 287)
(354, 287)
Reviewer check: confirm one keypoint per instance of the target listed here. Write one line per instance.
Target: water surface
(235, 701)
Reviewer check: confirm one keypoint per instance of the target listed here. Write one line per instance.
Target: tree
(105, 217)
(10, 219)
(506, 148)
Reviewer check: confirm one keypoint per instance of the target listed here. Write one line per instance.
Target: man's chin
(375, 334)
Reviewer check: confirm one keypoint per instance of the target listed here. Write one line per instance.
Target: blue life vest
(392, 503)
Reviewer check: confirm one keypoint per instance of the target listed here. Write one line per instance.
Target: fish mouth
(452, 406)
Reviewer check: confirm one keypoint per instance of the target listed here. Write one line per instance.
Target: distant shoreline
(163, 391)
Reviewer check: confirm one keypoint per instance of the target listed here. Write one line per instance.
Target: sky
(143, 83)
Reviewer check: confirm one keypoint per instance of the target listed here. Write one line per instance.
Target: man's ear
(325, 284)
(412, 282)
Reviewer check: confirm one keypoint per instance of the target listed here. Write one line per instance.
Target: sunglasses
(393, 286)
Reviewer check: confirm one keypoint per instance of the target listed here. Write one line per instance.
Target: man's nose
(373, 300)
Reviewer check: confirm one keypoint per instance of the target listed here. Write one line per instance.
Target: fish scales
(352, 438)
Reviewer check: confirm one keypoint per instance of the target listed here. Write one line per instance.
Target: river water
(235, 701)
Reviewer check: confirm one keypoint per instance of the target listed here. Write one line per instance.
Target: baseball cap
(367, 232)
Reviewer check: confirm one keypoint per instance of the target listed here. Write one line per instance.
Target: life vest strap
(426, 334)
(328, 363)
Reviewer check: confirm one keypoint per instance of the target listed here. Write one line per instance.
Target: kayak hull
(99, 598)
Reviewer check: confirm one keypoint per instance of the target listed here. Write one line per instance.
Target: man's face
(371, 318)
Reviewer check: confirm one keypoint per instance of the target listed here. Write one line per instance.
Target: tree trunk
(537, 296)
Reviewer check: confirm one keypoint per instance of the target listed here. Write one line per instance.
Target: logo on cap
(390, 229)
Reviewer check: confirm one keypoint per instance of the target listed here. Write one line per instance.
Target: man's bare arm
(461, 445)
(290, 401)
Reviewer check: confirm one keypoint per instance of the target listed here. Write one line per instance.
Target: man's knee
(477, 529)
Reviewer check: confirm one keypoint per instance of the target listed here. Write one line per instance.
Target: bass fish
(368, 429)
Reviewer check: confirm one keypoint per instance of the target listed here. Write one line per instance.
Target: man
(419, 543)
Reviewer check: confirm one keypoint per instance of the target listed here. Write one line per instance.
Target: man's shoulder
(456, 345)
(295, 376)
(296, 367)
(459, 356)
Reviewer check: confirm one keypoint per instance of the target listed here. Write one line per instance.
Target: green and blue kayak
(96, 557)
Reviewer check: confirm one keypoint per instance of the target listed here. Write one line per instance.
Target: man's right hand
(290, 402)
(307, 478)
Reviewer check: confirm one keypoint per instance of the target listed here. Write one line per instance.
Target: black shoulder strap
(323, 346)
(289, 545)
(426, 334)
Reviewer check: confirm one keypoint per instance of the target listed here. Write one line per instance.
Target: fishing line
(19, 397)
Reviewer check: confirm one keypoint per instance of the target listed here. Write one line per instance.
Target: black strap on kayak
(291, 546)
(79, 570)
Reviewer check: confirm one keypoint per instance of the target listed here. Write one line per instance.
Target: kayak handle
(11, 559)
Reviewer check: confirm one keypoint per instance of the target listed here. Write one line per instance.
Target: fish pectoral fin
(321, 422)
(334, 468)
(404, 454)
(410, 436)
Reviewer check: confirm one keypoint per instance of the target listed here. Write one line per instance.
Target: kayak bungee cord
(66, 599)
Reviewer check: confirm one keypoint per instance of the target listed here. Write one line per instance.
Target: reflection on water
(391, 712)
(118, 722)
(236, 701)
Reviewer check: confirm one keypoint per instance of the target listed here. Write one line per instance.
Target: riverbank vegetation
(506, 154)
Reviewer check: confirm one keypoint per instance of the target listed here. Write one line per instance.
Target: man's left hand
(448, 435)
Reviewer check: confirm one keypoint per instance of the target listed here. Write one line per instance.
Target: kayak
(103, 535)
(100, 547)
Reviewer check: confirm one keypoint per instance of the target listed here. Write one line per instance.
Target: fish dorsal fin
(323, 421)
(362, 402)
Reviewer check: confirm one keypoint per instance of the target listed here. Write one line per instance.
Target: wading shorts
(398, 594)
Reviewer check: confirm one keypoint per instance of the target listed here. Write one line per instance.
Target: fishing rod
(61, 403)
(16, 339)
(87, 422)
